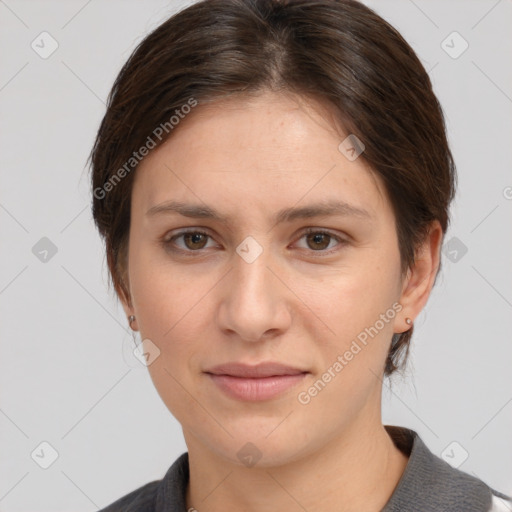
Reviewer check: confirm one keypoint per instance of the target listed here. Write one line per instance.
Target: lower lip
(255, 389)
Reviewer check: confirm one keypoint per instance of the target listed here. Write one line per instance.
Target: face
(252, 270)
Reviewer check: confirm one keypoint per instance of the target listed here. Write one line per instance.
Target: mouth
(255, 383)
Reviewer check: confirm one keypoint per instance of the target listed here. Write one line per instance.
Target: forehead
(266, 151)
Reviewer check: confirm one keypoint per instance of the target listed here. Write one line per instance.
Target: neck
(357, 470)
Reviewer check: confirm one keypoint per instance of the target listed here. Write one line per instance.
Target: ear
(420, 277)
(124, 297)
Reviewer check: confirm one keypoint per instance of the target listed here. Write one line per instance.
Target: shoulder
(141, 500)
(166, 494)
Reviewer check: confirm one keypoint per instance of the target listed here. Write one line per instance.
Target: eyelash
(167, 242)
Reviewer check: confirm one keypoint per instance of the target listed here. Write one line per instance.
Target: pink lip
(260, 382)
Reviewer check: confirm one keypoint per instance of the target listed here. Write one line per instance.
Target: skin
(249, 158)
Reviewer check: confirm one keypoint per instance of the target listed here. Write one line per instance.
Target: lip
(266, 369)
(255, 383)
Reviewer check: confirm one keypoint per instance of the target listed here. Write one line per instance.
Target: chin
(260, 454)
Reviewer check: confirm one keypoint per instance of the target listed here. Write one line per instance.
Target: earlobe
(126, 302)
(132, 322)
(131, 319)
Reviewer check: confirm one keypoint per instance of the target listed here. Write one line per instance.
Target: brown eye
(187, 241)
(318, 241)
(195, 240)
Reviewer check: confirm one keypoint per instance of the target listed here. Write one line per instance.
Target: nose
(254, 304)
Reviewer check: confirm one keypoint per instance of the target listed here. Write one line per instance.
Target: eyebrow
(198, 211)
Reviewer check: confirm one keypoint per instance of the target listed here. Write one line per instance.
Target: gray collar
(429, 484)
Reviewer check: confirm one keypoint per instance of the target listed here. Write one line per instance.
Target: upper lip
(267, 369)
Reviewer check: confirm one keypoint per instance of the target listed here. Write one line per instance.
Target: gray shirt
(428, 484)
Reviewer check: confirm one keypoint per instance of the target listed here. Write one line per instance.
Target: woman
(272, 180)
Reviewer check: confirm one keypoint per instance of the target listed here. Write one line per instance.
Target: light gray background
(67, 374)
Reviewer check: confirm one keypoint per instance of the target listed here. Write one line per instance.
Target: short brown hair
(338, 51)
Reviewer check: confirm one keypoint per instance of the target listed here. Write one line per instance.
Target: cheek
(169, 306)
(358, 304)
(174, 305)
(158, 299)
(357, 295)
